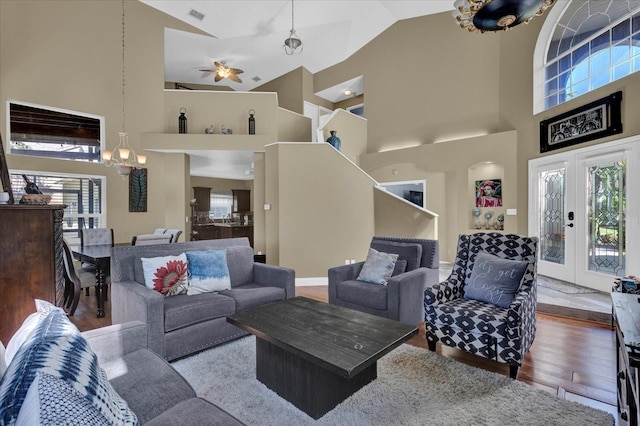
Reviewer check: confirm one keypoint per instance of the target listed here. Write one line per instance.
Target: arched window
(585, 45)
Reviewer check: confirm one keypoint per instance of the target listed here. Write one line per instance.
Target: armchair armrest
(276, 276)
(114, 341)
(443, 292)
(404, 296)
(339, 274)
(131, 301)
(522, 316)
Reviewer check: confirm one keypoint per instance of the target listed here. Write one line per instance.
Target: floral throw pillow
(166, 274)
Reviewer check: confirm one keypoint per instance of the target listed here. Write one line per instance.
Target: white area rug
(414, 387)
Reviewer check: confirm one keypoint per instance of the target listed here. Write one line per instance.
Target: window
(221, 203)
(54, 133)
(590, 44)
(84, 196)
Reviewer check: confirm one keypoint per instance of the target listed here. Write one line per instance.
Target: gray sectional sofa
(153, 390)
(181, 325)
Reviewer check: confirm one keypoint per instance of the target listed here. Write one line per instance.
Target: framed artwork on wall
(138, 190)
(489, 193)
(592, 121)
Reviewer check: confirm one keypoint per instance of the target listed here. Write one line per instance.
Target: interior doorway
(412, 191)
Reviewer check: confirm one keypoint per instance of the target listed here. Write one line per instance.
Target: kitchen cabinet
(241, 200)
(203, 198)
(229, 230)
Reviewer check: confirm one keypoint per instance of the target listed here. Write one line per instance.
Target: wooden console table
(626, 316)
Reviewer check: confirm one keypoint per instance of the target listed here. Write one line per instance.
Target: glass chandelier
(123, 158)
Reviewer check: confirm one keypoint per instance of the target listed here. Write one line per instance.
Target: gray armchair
(485, 329)
(401, 299)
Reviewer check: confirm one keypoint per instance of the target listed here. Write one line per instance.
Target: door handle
(570, 225)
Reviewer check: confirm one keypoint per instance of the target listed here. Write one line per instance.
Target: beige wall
(352, 131)
(456, 165)
(68, 54)
(445, 83)
(319, 217)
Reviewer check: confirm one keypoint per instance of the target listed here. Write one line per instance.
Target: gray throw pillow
(495, 280)
(378, 267)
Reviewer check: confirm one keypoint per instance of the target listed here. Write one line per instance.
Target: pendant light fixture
(292, 44)
(123, 158)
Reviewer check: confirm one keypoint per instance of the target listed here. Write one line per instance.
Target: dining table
(100, 257)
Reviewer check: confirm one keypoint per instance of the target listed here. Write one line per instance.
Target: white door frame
(575, 160)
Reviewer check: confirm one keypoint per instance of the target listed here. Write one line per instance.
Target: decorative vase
(209, 130)
(182, 121)
(333, 140)
(252, 122)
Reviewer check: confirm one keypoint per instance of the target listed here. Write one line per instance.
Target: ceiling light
(121, 157)
(292, 44)
(497, 15)
(347, 92)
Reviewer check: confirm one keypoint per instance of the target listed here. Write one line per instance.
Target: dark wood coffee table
(315, 355)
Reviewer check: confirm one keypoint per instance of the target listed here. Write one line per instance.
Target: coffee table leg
(310, 387)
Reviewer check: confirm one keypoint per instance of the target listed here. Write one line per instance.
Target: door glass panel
(552, 191)
(606, 206)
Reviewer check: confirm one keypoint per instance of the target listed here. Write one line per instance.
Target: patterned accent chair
(483, 329)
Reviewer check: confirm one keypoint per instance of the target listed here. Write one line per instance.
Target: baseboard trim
(302, 282)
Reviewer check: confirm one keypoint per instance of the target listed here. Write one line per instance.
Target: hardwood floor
(575, 359)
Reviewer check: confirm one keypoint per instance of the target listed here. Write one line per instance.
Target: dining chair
(175, 233)
(75, 280)
(149, 239)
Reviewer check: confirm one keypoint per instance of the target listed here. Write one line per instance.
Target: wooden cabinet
(235, 231)
(241, 200)
(205, 232)
(32, 261)
(203, 198)
(626, 316)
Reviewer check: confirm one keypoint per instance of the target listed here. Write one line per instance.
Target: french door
(585, 214)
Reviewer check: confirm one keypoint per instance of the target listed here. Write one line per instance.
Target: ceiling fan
(222, 71)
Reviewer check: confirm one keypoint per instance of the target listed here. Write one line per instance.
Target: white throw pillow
(27, 327)
(166, 274)
(3, 364)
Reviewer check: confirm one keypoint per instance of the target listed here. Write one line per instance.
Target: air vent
(196, 14)
(256, 79)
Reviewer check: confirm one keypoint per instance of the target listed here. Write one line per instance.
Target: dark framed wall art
(594, 120)
(138, 190)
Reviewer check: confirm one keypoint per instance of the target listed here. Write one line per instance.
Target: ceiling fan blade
(209, 70)
(218, 78)
(236, 70)
(235, 78)
(218, 64)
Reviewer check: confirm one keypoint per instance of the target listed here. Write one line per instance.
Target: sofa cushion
(26, 328)
(56, 347)
(378, 267)
(240, 264)
(166, 274)
(52, 401)
(495, 280)
(208, 271)
(363, 294)
(198, 411)
(184, 310)
(400, 268)
(148, 383)
(411, 252)
(250, 295)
